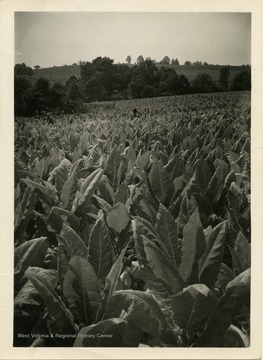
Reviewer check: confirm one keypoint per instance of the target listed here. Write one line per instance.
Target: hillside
(61, 74)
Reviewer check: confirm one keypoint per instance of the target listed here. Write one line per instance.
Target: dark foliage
(242, 81)
(101, 80)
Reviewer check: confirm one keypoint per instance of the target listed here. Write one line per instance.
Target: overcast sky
(57, 38)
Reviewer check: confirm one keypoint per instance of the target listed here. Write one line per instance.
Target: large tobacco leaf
(68, 190)
(81, 289)
(175, 166)
(143, 310)
(28, 309)
(216, 184)
(159, 180)
(193, 247)
(202, 174)
(143, 206)
(122, 194)
(118, 218)
(168, 233)
(100, 249)
(112, 165)
(55, 306)
(32, 254)
(240, 254)
(160, 284)
(111, 283)
(23, 212)
(58, 216)
(105, 190)
(83, 198)
(192, 306)
(211, 260)
(237, 295)
(43, 192)
(161, 268)
(234, 337)
(73, 242)
(60, 174)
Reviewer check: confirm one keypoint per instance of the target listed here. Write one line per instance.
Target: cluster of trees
(23, 69)
(167, 61)
(103, 80)
(42, 97)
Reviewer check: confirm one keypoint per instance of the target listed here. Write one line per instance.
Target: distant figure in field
(135, 114)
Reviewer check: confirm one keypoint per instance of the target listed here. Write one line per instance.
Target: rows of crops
(135, 231)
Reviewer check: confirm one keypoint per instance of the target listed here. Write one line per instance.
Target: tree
(72, 87)
(183, 85)
(205, 63)
(37, 67)
(203, 83)
(140, 59)
(94, 88)
(23, 69)
(120, 79)
(144, 80)
(23, 97)
(42, 94)
(188, 63)
(168, 80)
(197, 63)
(165, 61)
(57, 96)
(175, 62)
(128, 59)
(241, 81)
(224, 79)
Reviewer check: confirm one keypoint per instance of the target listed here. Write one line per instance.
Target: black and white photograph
(132, 184)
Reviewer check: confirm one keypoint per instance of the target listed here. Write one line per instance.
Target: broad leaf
(23, 214)
(122, 194)
(74, 244)
(225, 275)
(44, 192)
(60, 173)
(55, 306)
(111, 282)
(168, 233)
(80, 288)
(118, 218)
(101, 252)
(105, 190)
(175, 167)
(216, 184)
(211, 260)
(192, 306)
(234, 337)
(68, 190)
(202, 174)
(112, 165)
(161, 266)
(240, 254)
(87, 190)
(193, 248)
(33, 255)
(237, 295)
(159, 180)
(58, 216)
(143, 310)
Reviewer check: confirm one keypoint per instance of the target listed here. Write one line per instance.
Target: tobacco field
(134, 232)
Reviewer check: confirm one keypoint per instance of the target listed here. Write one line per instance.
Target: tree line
(101, 80)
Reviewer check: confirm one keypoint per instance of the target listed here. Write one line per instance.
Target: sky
(63, 38)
